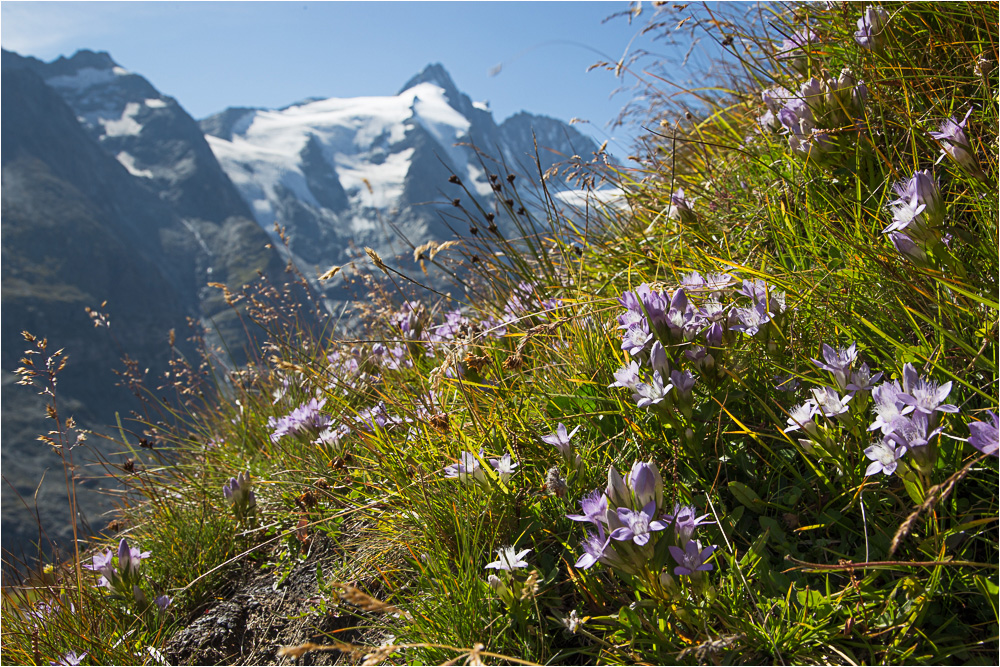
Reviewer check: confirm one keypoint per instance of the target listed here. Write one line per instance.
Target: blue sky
(212, 55)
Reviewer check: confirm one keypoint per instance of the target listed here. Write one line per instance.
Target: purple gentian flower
(509, 559)
(104, 564)
(700, 358)
(685, 521)
(830, 403)
(647, 395)
(801, 416)
(646, 484)
(616, 491)
(594, 506)
(870, 25)
(838, 361)
(467, 470)
(683, 383)
(951, 135)
(627, 376)
(792, 46)
(636, 338)
(70, 658)
(924, 394)
(503, 467)
(887, 406)
(884, 456)
(919, 207)
(594, 546)
(862, 379)
(561, 439)
(692, 558)
(912, 432)
(129, 558)
(983, 435)
(751, 319)
(905, 246)
(786, 382)
(162, 601)
(658, 358)
(638, 525)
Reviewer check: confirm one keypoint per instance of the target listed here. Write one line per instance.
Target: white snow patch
(128, 162)
(124, 126)
(603, 198)
(477, 177)
(482, 106)
(155, 103)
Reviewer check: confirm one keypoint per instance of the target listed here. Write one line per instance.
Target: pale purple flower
(924, 394)
(129, 558)
(692, 558)
(786, 382)
(331, 437)
(884, 456)
(983, 435)
(627, 376)
(870, 26)
(639, 525)
(685, 521)
(104, 563)
(680, 207)
(905, 246)
(951, 135)
(467, 470)
(509, 559)
(636, 338)
(617, 492)
(305, 419)
(912, 432)
(630, 318)
(646, 484)
(503, 467)
(838, 361)
(887, 406)
(700, 358)
(649, 394)
(918, 209)
(862, 379)
(594, 546)
(683, 383)
(594, 507)
(792, 46)
(162, 601)
(658, 358)
(70, 658)
(830, 403)
(751, 319)
(801, 416)
(238, 492)
(561, 439)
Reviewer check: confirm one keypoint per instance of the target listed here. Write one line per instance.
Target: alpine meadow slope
(742, 412)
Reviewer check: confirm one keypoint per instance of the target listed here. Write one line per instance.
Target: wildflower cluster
(120, 575)
(635, 534)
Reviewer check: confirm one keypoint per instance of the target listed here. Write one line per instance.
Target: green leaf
(746, 496)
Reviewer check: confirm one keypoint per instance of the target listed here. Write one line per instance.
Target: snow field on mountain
(358, 136)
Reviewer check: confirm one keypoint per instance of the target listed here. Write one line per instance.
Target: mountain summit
(332, 171)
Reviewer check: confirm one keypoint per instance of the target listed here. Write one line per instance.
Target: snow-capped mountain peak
(332, 171)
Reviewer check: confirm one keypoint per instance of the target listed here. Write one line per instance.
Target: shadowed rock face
(79, 228)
